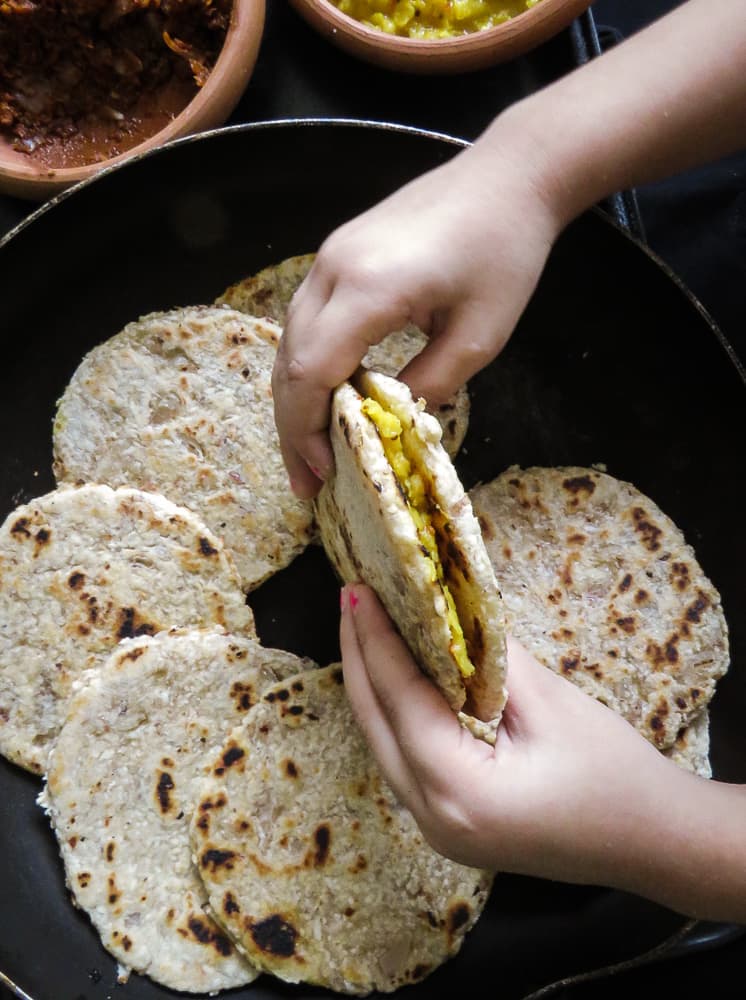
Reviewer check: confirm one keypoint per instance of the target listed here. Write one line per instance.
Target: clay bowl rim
(210, 106)
(476, 50)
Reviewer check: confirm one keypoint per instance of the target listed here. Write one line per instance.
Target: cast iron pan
(613, 362)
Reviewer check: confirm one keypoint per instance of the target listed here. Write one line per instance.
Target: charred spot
(486, 527)
(322, 836)
(695, 693)
(458, 915)
(203, 823)
(163, 790)
(246, 372)
(274, 936)
(114, 894)
(569, 663)
(206, 548)
(626, 583)
(296, 710)
(20, 527)
(110, 849)
(283, 694)
(167, 762)
(650, 533)
(345, 427)
(230, 905)
(76, 580)
(84, 629)
(213, 858)
(378, 487)
(681, 703)
(579, 484)
(671, 650)
(291, 769)
(73, 842)
(576, 538)
(134, 654)
(454, 556)
(627, 624)
(338, 676)
(131, 625)
(84, 879)
(239, 338)
(359, 865)
(42, 536)
(206, 934)
(641, 596)
(264, 729)
(420, 970)
(680, 575)
(476, 642)
(656, 723)
(270, 697)
(232, 754)
(349, 911)
(431, 918)
(694, 611)
(297, 686)
(126, 943)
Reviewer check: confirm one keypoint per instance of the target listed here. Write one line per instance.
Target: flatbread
(602, 587)
(82, 568)
(268, 293)
(121, 787)
(311, 865)
(367, 530)
(181, 403)
(691, 750)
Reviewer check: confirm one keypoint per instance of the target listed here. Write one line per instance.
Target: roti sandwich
(395, 515)
(269, 293)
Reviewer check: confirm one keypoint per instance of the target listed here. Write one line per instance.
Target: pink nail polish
(354, 600)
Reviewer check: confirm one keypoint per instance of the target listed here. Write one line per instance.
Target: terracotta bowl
(21, 176)
(443, 55)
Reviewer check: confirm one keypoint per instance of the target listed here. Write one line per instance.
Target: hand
(458, 252)
(570, 791)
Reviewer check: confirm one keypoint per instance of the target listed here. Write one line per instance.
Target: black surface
(696, 222)
(588, 377)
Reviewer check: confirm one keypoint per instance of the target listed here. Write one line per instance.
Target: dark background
(695, 222)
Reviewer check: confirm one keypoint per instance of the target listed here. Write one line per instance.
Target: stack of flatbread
(141, 691)
(217, 809)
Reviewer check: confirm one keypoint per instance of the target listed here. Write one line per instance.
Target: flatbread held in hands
(394, 515)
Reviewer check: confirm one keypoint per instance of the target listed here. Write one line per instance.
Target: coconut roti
(82, 568)
(311, 865)
(121, 786)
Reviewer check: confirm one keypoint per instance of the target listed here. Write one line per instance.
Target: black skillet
(613, 362)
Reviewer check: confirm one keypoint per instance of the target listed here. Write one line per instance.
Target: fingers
(409, 725)
(325, 340)
(468, 339)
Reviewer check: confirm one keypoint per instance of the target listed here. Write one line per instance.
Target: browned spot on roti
(322, 836)
(131, 624)
(213, 858)
(231, 755)
(230, 904)
(579, 484)
(569, 663)
(206, 548)
(134, 654)
(273, 935)
(458, 915)
(76, 580)
(649, 533)
(21, 527)
(694, 611)
(110, 850)
(207, 933)
(291, 768)
(243, 695)
(163, 789)
(484, 524)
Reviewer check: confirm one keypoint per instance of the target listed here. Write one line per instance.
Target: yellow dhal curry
(399, 450)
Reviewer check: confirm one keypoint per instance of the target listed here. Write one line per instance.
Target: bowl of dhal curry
(438, 36)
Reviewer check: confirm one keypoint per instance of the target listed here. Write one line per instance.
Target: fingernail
(354, 600)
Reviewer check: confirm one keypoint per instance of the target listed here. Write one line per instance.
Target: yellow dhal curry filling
(423, 514)
(433, 18)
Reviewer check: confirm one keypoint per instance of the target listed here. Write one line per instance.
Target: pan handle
(15, 990)
(589, 42)
(693, 936)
